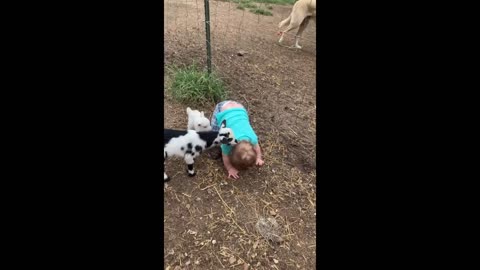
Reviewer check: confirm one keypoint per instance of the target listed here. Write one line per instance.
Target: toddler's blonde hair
(243, 156)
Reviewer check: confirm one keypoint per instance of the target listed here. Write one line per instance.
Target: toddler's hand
(259, 162)
(233, 172)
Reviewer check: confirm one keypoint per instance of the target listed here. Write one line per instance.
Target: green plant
(278, 2)
(248, 5)
(190, 84)
(261, 12)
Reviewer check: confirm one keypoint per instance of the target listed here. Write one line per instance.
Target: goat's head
(198, 120)
(225, 135)
(202, 123)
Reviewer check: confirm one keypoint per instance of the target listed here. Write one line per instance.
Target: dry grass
(210, 220)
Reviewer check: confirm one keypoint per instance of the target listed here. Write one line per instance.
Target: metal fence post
(207, 31)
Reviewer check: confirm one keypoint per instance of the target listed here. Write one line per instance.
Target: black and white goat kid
(189, 144)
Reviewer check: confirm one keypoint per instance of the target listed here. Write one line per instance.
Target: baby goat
(197, 121)
(190, 144)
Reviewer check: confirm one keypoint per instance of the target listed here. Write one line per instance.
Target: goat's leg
(189, 160)
(290, 27)
(302, 27)
(165, 176)
(296, 19)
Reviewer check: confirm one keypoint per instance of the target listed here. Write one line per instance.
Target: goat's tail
(285, 22)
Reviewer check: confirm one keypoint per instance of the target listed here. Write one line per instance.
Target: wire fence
(233, 33)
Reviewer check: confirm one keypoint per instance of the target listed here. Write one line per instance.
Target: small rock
(241, 53)
(232, 260)
(275, 261)
(273, 213)
(188, 262)
(214, 242)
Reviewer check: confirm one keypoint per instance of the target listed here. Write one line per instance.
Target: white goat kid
(197, 121)
(190, 144)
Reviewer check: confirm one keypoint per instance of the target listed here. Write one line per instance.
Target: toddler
(246, 152)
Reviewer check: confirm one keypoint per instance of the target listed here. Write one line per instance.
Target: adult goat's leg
(302, 27)
(289, 28)
(295, 21)
(281, 25)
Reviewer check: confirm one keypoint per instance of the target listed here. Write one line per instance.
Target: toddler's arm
(231, 170)
(259, 155)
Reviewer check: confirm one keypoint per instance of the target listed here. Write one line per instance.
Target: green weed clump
(193, 85)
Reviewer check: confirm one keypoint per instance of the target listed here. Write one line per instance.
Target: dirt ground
(210, 220)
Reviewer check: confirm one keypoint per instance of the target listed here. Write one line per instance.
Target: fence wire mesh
(233, 32)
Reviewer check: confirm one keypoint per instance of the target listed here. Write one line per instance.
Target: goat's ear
(189, 110)
(202, 114)
(224, 124)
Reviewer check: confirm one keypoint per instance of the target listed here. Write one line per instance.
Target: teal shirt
(238, 121)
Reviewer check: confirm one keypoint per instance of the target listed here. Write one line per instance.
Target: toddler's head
(243, 155)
